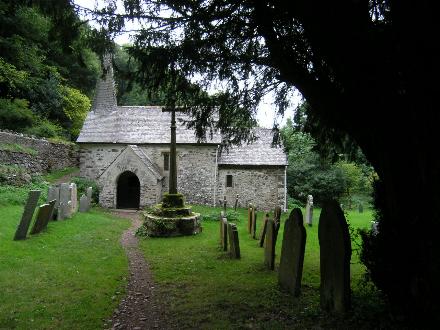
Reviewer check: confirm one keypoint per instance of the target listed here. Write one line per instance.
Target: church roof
(259, 152)
(136, 125)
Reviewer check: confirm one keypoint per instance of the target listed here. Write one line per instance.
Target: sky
(266, 114)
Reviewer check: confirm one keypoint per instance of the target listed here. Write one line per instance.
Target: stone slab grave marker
(249, 218)
(309, 210)
(51, 213)
(64, 211)
(224, 222)
(269, 251)
(292, 253)
(89, 193)
(26, 217)
(53, 193)
(234, 244)
(84, 204)
(335, 254)
(254, 224)
(74, 197)
(277, 220)
(69, 211)
(263, 230)
(43, 215)
(236, 203)
(222, 215)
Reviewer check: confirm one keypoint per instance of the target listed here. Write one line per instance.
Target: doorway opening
(128, 191)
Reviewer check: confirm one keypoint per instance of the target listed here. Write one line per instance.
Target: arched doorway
(128, 191)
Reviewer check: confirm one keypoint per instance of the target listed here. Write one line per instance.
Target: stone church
(126, 150)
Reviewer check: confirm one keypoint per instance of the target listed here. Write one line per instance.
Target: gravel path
(139, 309)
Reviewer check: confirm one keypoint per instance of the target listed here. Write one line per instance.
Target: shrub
(82, 184)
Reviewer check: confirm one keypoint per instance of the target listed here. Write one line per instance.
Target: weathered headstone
(236, 203)
(64, 211)
(254, 225)
(335, 254)
(64, 193)
(53, 193)
(263, 230)
(42, 218)
(292, 253)
(60, 215)
(69, 210)
(84, 204)
(269, 251)
(234, 245)
(220, 221)
(51, 212)
(28, 212)
(249, 218)
(224, 222)
(89, 193)
(74, 197)
(309, 210)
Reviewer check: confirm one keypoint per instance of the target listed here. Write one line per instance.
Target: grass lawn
(67, 277)
(203, 288)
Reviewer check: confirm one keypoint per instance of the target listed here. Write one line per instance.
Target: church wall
(261, 186)
(195, 164)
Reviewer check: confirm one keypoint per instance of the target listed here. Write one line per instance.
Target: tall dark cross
(173, 166)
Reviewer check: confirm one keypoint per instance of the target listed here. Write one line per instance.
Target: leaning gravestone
(224, 222)
(309, 210)
(51, 212)
(220, 221)
(84, 204)
(43, 215)
(292, 253)
(28, 212)
(74, 197)
(234, 245)
(269, 251)
(53, 193)
(263, 230)
(335, 254)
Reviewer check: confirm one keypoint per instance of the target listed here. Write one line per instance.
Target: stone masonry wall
(261, 186)
(195, 164)
(50, 156)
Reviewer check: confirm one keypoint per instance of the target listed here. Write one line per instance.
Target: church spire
(105, 93)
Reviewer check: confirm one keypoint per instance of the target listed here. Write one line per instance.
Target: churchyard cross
(173, 165)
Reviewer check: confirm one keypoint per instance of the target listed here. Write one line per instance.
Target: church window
(229, 180)
(166, 161)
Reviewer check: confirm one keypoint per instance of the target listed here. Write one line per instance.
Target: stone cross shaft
(173, 165)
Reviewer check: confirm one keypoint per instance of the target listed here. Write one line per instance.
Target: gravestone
(254, 225)
(42, 219)
(224, 234)
(224, 203)
(74, 197)
(26, 217)
(89, 194)
(65, 193)
(335, 254)
(51, 212)
(53, 193)
(69, 210)
(249, 218)
(269, 251)
(222, 215)
(84, 204)
(236, 203)
(292, 253)
(263, 230)
(63, 211)
(234, 245)
(309, 210)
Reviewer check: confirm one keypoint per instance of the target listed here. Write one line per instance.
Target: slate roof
(147, 161)
(136, 125)
(260, 152)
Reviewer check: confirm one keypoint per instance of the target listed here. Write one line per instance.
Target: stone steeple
(105, 94)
